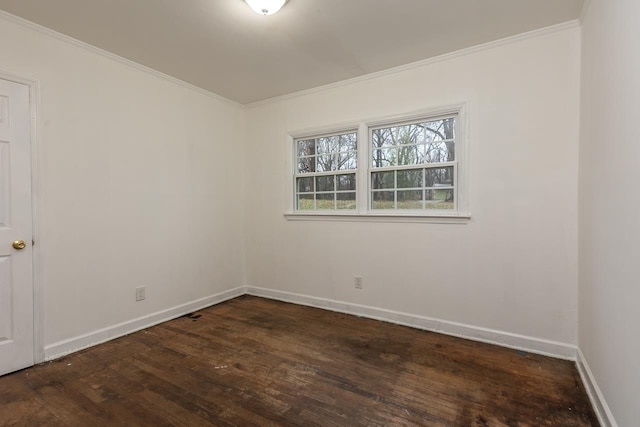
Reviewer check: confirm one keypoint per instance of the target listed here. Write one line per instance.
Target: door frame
(38, 276)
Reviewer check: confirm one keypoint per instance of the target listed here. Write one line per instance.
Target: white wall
(140, 186)
(513, 268)
(609, 288)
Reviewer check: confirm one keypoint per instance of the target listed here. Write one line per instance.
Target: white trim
(100, 336)
(36, 205)
(322, 132)
(431, 114)
(602, 410)
(37, 274)
(373, 217)
(363, 195)
(363, 211)
(291, 165)
(475, 333)
(440, 58)
(91, 48)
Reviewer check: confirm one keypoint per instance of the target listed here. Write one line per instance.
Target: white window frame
(363, 211)
(334, 173)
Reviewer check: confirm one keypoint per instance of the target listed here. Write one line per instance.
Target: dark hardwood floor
(252, 361)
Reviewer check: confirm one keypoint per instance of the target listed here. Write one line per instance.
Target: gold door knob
(19, 244)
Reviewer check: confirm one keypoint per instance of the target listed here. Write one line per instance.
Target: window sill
(375, 217)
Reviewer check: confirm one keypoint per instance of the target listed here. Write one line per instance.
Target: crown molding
(104, 53)
(424, 62)
(390, 71)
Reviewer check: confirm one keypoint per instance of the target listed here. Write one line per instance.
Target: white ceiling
(226, 48)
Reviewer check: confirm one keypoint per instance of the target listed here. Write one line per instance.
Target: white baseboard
(593, 391)
(90, 339)
(504, 339)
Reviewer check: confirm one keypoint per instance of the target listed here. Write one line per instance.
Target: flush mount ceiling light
(266, 7)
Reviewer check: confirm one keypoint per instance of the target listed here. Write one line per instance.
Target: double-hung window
(396, 168)
(413, 165)
(325, 177)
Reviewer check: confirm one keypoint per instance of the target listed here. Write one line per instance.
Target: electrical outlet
(358, 282)
(140, 293)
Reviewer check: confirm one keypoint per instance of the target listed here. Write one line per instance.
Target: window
(413, 165)
(325, 173)
(395, 168)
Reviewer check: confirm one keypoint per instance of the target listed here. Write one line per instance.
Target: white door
(16, 270)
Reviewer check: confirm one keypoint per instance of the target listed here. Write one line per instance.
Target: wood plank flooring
(256, 362)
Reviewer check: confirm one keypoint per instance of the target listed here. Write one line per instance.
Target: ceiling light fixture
(265, 7)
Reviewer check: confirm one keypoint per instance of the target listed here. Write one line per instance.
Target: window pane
(324, 183)
(346, 182)
(346, 200)
(439, 177)
(398, 135)
(439, 199)
(347, 161)
(306, 147)
(438, 152)
(410, 178)
(305, 185)
(306, 164)
(384, 157)
(348, 142)
(328, 144)
(305, 202)
(410, 134)
(326, 163)
(381, 180)
(382, 200)
(439, 130)
(410, 199)
(408, 155)
(325, 201)
(381, 138)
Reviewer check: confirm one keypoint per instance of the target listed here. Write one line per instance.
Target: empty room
(319, 213)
